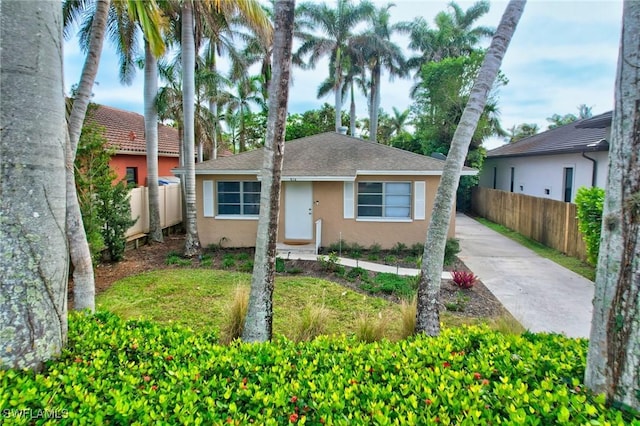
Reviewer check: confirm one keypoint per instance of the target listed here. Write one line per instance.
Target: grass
(571, 263)
(201, 299)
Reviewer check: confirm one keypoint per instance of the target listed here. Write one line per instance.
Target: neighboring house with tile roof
(552, 164)
(124, 131)
(334, 186)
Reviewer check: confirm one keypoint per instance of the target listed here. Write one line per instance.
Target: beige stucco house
(334, 186)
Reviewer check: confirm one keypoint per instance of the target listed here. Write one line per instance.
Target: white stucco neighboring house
(552, 164)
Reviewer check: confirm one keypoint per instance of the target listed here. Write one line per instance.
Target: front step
(292, 251)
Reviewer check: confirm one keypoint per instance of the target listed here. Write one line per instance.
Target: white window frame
(385, 218)
(237, 216)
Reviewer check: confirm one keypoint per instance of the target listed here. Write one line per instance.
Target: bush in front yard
(589, 204)
(117, 372)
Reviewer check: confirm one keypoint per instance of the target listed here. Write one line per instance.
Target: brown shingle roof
(124, 131)
(572, 137)
(331, 155)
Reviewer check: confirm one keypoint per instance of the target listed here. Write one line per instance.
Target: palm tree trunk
(614, 344)
(375, 103)
(151, 138)
(34, 259)
(427, 317)
(83, 278)
(338, 92)
(352, 113)
(258, 323)
(192, 242)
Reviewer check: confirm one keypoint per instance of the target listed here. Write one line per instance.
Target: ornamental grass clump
(463, 279)
(237, 312)
(370, 328)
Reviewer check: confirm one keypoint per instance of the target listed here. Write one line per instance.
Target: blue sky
(563, 54)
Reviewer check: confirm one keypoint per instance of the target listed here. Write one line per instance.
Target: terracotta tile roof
(572, 137)
(331, 155)
(125, 131)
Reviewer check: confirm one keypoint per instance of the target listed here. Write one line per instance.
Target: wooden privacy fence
(170, 208)
(550, 222)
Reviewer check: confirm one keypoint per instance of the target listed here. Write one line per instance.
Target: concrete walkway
(369, 266)
(541, 294)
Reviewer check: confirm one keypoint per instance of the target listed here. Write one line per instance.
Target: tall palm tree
(427, 317)
(379, 52)
(247, 91)
(336, 26)
(194, 15)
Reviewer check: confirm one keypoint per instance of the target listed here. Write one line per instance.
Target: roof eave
(554, 152)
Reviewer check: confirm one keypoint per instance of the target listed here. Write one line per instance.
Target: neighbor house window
(132, 176)
(239, 198)
(384, 199)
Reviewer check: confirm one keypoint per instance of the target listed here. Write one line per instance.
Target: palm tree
(84, 282)
(336, 26)
(247, 92)
(399, 120)
(453, 35)
(192, 13)
(258, 322)
(34, 259)
(120, 20)
(378, 52)
(427, 317)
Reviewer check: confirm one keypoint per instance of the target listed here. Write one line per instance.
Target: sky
(563, 54)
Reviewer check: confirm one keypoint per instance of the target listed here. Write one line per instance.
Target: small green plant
(330, 263)
(370, 328)
(589, 202)
(340, 246)
(312, 323)
(206, 261)
(373, 257)
(408, 310)
(463, 279)
(459, 304)
(241, 257)
(375, 248)
(355, 250)
(399, 248)
(295, 271)
(228, 261)
(174, 258)
(358, 273)
(390, 259)
(451, 250)
(213, 247)
(417, 249)
(236, 313)
(280, 267)
(246, 266)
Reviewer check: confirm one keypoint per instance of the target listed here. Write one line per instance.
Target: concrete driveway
(542, 295)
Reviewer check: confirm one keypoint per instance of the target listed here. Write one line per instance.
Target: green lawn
(571, 263)
(200, 299)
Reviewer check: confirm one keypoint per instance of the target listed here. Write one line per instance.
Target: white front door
(298, 211)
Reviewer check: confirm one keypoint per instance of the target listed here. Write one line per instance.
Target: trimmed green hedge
(137, 372)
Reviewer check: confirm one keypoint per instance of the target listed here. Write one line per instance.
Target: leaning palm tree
(427, 317)
(336, 26)
(258, 323)
(378, 52)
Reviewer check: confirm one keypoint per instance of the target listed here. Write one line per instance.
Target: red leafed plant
(463, 279)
